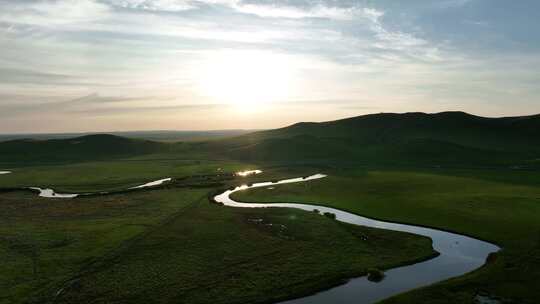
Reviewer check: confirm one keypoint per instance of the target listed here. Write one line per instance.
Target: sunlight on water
(459, 254)
(248, 172)
(154, 183)
(49, 193)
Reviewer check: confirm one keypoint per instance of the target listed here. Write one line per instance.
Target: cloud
(93, 104)
(95, 98)
(317, 11)
(405, 43)
(13, 75)
(52, 13)
(265, 9)
(127, 110)
(28, 105)
(477, 23)
(452, 3)
(144, 55)
(155, 5)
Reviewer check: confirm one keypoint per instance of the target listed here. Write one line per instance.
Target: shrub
(491, 258)
(375, 275)
(330, 215)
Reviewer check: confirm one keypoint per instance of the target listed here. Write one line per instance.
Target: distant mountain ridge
(385, 138)
(416, 137)
(83, 148)
(421, 123)
(157, 135)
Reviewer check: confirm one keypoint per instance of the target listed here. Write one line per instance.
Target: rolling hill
(84, 148)
(447, 137)
(158, 135)
(386, 138)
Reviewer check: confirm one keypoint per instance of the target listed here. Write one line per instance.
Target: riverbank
(97, 243)
(257, 256)
(463, 253)
(503, 209)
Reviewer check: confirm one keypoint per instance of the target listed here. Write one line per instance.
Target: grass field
(450, 170)
(497, 206)
(112, 175)
(123, 241)
(46, 241)
(214, 254)
(171, 244)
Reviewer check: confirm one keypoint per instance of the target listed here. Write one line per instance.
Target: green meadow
(47, 241)
(499, 206)
(113, 175)
(171, 244)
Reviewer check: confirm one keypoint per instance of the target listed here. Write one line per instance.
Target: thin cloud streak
(146, 56)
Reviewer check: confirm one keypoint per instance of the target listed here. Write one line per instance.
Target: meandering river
(459, 254)
(50, 193)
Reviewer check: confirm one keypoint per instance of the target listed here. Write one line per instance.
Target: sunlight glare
(246, 79)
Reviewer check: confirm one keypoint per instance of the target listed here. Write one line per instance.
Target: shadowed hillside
(410, 138)
(90, 147)
(163, 135)
(447, 137)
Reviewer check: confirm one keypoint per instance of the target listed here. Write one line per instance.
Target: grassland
(215, 254)
(112, 175)
(162, 136)
(499, 206)
(419, 139)
(172, 244)
(451, 170)
(45, 241)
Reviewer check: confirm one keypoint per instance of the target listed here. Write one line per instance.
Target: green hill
(447, 137)
(90, 147)
(386, 138)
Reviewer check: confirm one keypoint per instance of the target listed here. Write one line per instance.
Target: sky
(117, 65)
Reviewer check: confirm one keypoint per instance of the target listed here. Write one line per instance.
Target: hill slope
(387, 138)
(90, 147)
(447, 137)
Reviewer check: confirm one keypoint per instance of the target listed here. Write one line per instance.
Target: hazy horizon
(126, 131)
(121, 65)
(112, 131)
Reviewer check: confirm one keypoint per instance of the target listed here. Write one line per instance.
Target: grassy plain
(172, 244)
(45, 241)
(399, 167)
(112, 175)
(501, 206)
(215, 254)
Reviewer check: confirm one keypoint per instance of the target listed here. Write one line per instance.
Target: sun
(246, 79)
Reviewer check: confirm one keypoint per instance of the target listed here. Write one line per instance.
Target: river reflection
(459, 254)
